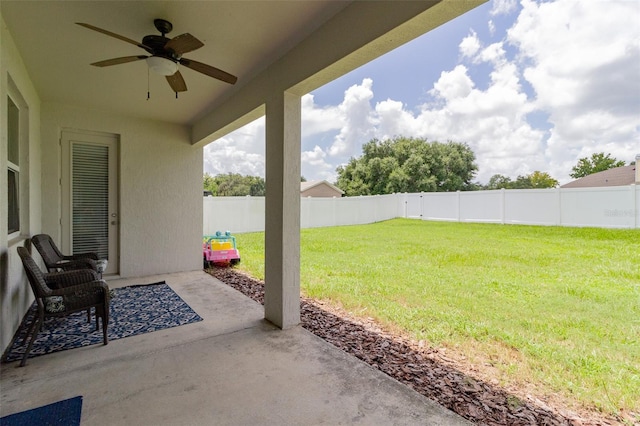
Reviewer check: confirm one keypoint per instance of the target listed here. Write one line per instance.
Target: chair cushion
(53, 304)
(101, 265)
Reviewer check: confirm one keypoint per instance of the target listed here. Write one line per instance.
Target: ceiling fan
(166, 54)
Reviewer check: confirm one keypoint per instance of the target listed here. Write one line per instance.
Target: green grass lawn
(557, 307)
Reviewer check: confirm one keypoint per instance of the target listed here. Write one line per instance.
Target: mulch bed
(427, 370)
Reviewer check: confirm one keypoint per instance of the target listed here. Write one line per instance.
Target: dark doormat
(61, 413)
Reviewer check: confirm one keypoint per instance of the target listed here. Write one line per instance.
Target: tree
(210, 184)
(234, 184)
(256, 186)
(408, 165)
(542, 180)
(534, 180)
(597, 163)
(499, 182)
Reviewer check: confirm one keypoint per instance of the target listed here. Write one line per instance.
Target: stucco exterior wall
(160, 188)
(15, 294)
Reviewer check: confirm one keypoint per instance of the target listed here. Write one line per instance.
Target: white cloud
(394, 120)
(359, 122)
(470, 45)
(494, 54)
(453, 84)
(492, 27)
(241, 152)
(492, 121)
(318, 119)
(503, 7)
(583, 60)
(314, 164)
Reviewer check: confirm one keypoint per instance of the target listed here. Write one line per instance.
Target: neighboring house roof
(319, 188)
(619, 176)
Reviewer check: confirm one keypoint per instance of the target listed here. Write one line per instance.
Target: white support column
(282, 211)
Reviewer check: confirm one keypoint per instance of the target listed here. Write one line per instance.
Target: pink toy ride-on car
(220, 249)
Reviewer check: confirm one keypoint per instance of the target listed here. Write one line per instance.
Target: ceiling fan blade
(118, 36)
(183, 43)
(177, 82)
(117, 61)
(209, 70)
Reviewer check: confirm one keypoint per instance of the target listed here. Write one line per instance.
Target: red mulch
(427, 370)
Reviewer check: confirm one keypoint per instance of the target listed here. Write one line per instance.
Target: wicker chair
(55, 260)
(62, 293)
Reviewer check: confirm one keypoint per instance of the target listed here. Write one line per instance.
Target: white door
(90, 213)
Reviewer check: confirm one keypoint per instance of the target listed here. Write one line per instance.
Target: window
(13, 157)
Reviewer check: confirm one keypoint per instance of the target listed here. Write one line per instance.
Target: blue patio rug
(133, 310)
(61, 413)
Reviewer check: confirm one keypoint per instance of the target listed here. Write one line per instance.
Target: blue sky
(528, 85)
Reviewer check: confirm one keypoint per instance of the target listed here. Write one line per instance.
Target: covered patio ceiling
(240, 37)
(313, 42)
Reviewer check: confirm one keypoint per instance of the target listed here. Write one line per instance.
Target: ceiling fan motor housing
(157, 43)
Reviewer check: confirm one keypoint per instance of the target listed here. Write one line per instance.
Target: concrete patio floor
(233, 368)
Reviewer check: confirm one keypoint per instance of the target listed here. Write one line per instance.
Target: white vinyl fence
(246, 214)
(606, 207)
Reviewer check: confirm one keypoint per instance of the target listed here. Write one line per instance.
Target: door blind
(90, 199)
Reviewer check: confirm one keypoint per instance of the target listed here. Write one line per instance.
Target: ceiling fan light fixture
(162, 66)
